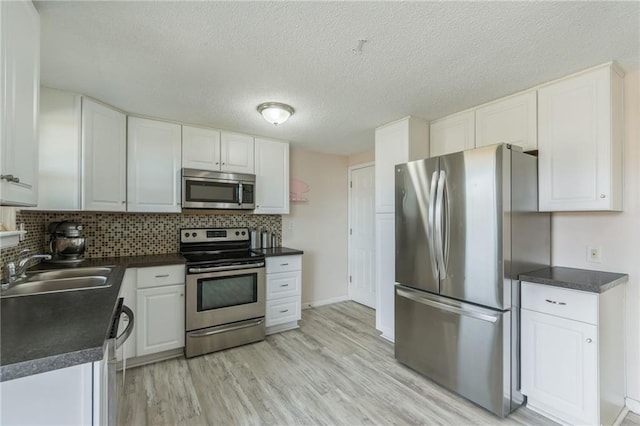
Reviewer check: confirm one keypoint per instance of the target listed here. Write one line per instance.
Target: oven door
(222, 297)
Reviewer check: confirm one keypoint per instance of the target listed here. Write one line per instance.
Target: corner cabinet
(572, 352)
(284, 293)
(19, 93)
(153, 166)
(452, 134)
(580, 131)
(272, 176)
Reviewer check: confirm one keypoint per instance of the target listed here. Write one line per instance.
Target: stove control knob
(243, 233)
(194, 234)
(186, 234)
(237, 233)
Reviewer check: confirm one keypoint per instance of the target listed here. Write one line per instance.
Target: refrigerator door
(460, 346)
(472, 225)
(416, 184)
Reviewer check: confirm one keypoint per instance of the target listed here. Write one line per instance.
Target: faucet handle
(23, 252)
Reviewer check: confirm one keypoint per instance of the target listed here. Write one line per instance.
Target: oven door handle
(225, 268)
(225, 329)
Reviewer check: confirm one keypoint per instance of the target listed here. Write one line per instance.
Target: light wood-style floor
(334, 370)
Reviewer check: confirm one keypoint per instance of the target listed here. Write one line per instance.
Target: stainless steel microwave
(205, 189)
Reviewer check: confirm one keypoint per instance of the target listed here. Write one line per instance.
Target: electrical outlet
(290, 224)
(594, 254)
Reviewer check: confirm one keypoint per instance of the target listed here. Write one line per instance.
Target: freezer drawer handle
(466, 312)
(556, 303)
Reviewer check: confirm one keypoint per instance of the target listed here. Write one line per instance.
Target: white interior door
(362, 288)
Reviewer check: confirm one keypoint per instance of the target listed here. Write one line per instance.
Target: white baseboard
(618, 421)
(325, 302)
(633, 405)
(387, 334)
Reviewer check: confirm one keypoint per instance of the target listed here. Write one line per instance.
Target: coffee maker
(67, 242)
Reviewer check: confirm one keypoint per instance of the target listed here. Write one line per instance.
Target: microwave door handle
(240, 191)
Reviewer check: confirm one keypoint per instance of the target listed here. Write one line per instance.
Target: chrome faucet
(15, 272)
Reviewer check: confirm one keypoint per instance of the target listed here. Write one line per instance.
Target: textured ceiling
(212, 63)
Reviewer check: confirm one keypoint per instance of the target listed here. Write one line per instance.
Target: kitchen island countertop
(45, 332)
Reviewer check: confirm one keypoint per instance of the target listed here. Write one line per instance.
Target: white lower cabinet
(572, 353)
(385, 274)
(284, 293)
(156, 297)
(58, 397)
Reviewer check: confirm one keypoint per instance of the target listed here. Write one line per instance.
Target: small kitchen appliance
(204, 189)
(66, 244)
(225, 289)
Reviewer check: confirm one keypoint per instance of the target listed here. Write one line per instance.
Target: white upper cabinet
(512, 120)
(453, 133)
(200, 148)
(60, 150)
(104, 157)
(154, 160)
(395, 143)
(19, 92)
(83, 154)
(580, 142)
(236, 153)
(272, 177)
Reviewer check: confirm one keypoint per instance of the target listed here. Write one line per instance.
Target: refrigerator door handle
(464, 311)
(430, 236)
(439, 236)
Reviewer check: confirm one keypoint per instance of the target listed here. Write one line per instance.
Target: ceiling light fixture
(275, 112)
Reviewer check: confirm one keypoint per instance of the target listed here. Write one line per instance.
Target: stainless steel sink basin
(53, 286)
(70, 279)
(68, 273)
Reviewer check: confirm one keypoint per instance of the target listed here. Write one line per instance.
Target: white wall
(617, 233)
(320, 225)
(363, 157)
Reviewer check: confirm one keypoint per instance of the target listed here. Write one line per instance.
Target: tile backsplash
(130, 234)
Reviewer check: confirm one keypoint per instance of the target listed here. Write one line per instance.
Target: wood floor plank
(334, 370)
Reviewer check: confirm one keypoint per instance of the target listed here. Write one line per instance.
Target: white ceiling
(212, 63)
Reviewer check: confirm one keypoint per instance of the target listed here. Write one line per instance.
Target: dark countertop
(44, 332)
(576, 279)
(278, 251)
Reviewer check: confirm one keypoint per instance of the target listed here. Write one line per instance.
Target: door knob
(589, 340)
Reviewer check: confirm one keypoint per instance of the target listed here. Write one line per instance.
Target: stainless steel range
(225, 289)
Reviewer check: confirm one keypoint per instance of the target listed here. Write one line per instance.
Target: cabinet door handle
(285, 311)
(284, 285)
(556, 303)
(162, 276)
(10, 178)
(284, 264)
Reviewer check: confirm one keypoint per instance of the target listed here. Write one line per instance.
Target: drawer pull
(556, 303)
(284, 285)
(589, 340)
(284, 264)
(284, 312)
(162, 276)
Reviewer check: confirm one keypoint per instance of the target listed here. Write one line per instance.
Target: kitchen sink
(68, 273)
(59, 280)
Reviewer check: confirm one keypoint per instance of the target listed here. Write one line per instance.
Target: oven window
(223, 292)
(211, 191)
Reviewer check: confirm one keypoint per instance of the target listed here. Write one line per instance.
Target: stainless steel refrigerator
(466, 225)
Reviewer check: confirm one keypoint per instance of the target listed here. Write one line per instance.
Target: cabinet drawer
(160, 276)
(564, 303)
(283, 310)
(283, 284)
(284, 264)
